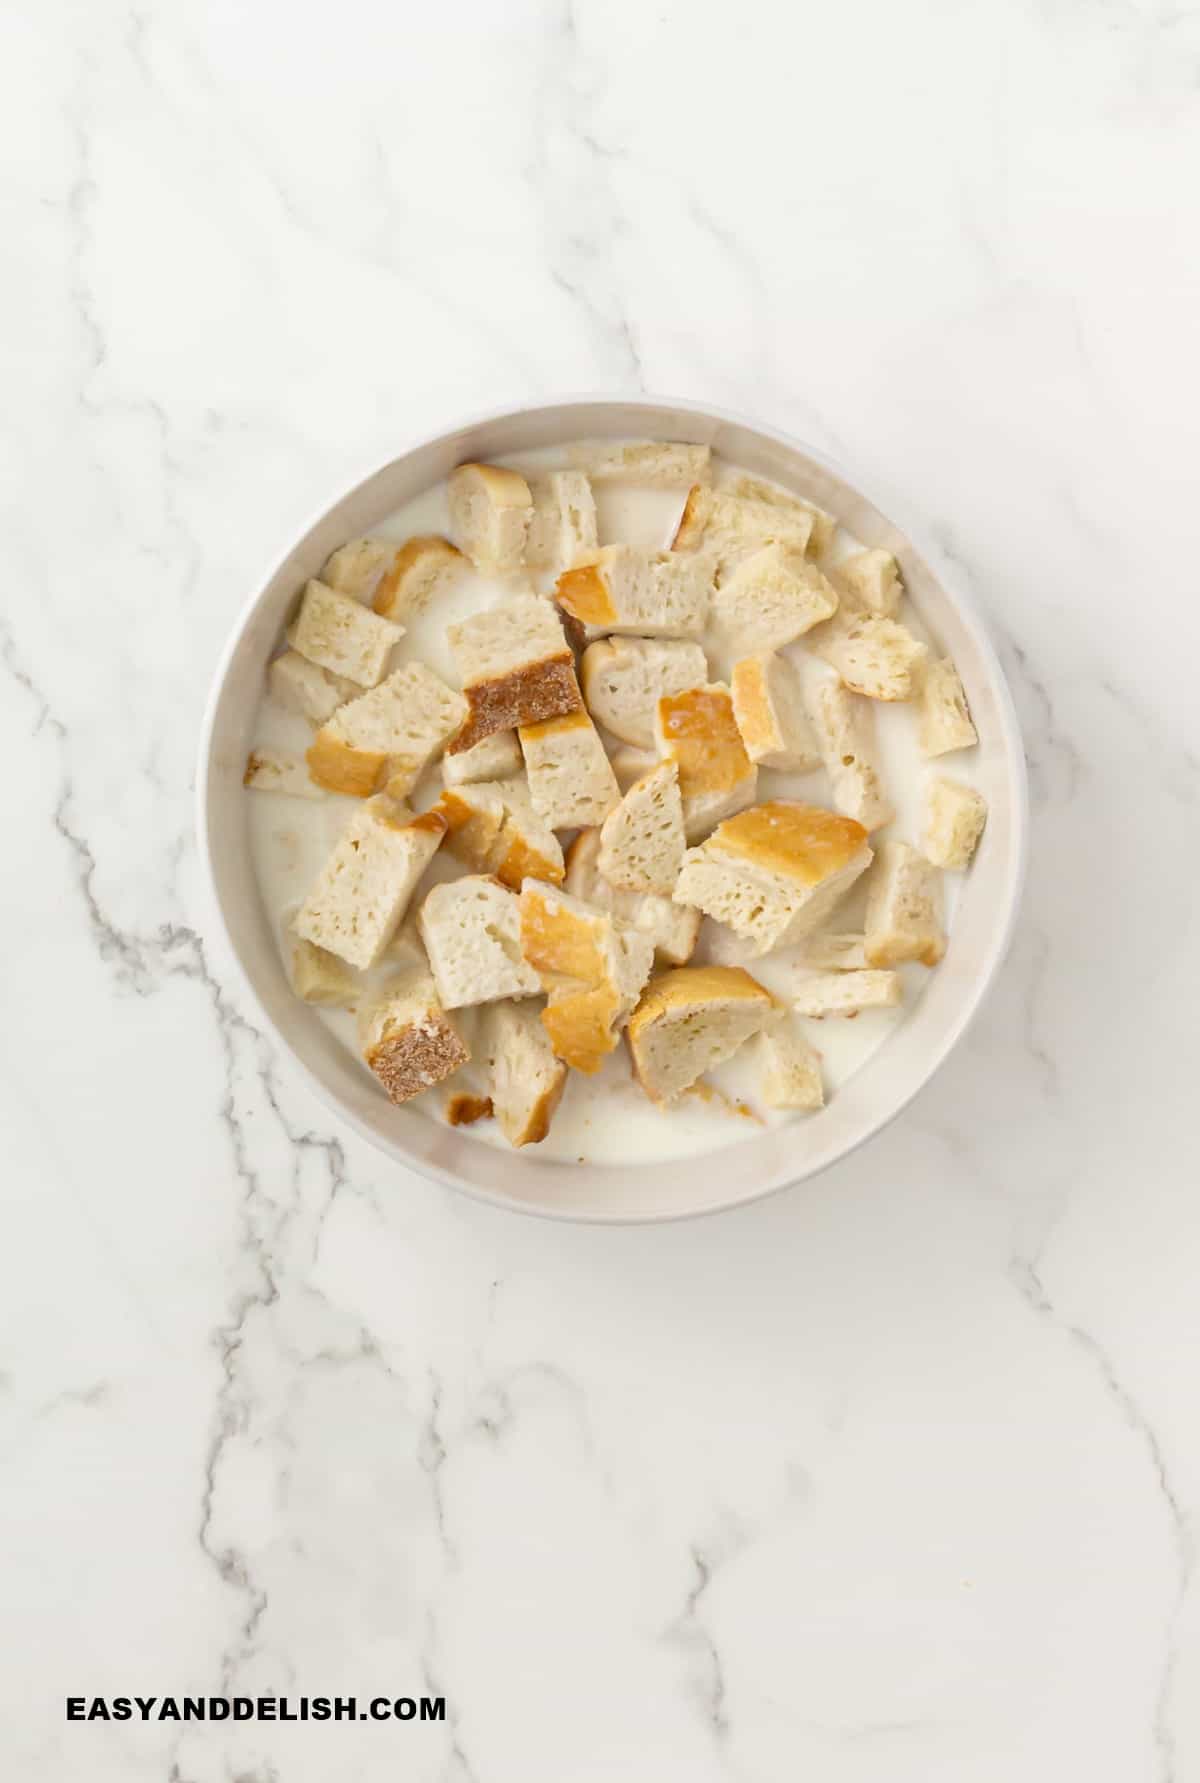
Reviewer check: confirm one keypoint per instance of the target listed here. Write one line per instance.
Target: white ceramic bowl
(755, 1166)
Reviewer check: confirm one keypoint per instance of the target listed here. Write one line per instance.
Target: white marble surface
(893, 1477)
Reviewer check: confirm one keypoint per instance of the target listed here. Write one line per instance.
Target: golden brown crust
(521, 861)
(584, 593)
(751, 704)
(417, 1057)
(556, 939)
(581, 1027)
(804, 842)
(409, 554)
(528, 695)
(339, 767)
(463, 1109)
(694, 984)
(691, 522)
(700, 735)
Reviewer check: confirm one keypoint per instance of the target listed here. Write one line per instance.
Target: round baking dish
(756, 1165)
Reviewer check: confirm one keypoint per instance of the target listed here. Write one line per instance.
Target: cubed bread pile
(579, 844)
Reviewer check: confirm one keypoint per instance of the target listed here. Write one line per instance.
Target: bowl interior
(755, 1165)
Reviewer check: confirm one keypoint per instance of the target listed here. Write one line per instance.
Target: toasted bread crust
(690, 530)
(804, 842)
(429, 548)
(463, 1109)
(584, 593)
(529, 695)
(417, 1057)
(581, 1026)
(339, 767)
(541, 1114)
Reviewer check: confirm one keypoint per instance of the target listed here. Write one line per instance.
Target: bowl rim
(968, 613)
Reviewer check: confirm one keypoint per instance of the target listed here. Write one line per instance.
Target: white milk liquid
(606, 1119)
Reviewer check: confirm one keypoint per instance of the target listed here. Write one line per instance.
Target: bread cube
(774, 873)
(563, 527)
(768, 705)
(771, 598)
(516, 668)
(790, 1068)
(527, 1080)
(363, 890)
(320, 977)
(408, 1040)
(571, 781)
(490, 511)
(642, 840)
(691, 1020)
(904, 908)
(869, 580)
(875, 657)
(651, 595)
(954, 818)
(300, 686)
(342, 636)
(727, 527)
(388, 736)
(356, 569)
(823, 525)
(593, 965)
(471, 931)
(656, 463)
(420, 570)
(845, 729)
(494, 828)
(624, 679)
(846, 993)
(274, 770)
(697, 731)
(945, 722)
(463, 1108)
(672, 928)
(496, 758)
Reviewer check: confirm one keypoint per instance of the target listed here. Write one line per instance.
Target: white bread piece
(774, 873)
(874, 657)
(490, 511)
(493, 827)
(845, 727)
(729, 527)
(408, 1040)
(696, 729)
(870, 580)
(768, 705)
(274, 770)
(571, 781)
(771, 598)
(363, 890)
(356, 568)
(657, 463)
(387, 736)
(630, 764)
(624, 679)
(471, 928)
(419, 570)
(642, 840)
(318, 976)
(904, 908)
(563, 527)
(834, 952)
(516, 668)
(954, 818)
(692, 1019)
(643, 594)
(339, 634)
(672, 928)
(845, 993)
(790, 1068)
(945, 721)
(496, 758)
(824, 526)
(526, 1080)
(301, 686)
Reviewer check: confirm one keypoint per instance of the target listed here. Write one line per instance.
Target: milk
(606, 1119)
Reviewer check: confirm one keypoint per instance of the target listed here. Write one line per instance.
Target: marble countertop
(895, 1476)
